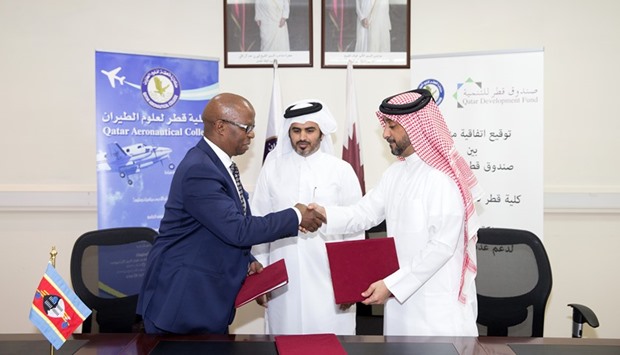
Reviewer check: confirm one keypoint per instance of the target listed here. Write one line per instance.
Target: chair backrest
(513, 282)
(107, 268)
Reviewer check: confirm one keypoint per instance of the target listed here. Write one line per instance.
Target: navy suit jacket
(201, 255)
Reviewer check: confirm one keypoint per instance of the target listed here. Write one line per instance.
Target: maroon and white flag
(274, 121)
(351, 150)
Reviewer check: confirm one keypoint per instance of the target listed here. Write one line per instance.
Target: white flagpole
(275, 114)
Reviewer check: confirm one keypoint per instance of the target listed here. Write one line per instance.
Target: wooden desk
(142, 344)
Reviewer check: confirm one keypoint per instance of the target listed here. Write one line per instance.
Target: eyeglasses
(248, 128)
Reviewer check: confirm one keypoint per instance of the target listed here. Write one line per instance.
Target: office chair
(513, 285)
(107, 267)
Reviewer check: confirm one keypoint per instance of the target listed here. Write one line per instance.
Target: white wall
(47, 176)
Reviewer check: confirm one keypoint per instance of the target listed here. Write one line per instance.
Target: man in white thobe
(271, 17)
(426, 200)
(373, 26)
(302, 167)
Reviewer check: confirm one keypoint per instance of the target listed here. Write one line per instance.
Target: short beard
(399, 147)
(397, 151)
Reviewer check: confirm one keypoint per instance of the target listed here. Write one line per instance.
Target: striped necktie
(235, 172)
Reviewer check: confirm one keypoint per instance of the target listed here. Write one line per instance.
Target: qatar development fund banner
(148, 116)
(493, 104)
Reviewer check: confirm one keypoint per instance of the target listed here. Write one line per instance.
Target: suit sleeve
(210, 199)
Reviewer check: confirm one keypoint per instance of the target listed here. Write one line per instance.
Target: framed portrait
(259, 32)
(369, 33)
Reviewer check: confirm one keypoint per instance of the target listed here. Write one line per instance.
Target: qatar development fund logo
(465, 90)
(471, 92)
(160, 88)
(435, 88)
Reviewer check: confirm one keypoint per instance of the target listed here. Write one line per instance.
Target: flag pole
(275, 113)
(53, 254)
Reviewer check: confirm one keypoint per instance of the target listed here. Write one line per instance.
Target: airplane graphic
(129, 160)
(198, 94)
(113, 77)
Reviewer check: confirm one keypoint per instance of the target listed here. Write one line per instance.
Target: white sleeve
(444, 227)
(365, 214)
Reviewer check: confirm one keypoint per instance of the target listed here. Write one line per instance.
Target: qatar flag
(351, 150)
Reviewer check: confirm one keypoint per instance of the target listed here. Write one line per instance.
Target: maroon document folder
(355, 265)
(256, 285)
(309, 344)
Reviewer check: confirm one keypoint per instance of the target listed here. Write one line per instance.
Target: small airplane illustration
(161, 90)
(113, 77)
(129, 160)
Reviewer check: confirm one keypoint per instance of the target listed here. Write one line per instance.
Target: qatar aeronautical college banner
(493, 104)
(148, 114)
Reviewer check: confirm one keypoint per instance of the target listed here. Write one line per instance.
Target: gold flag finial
(53, 254)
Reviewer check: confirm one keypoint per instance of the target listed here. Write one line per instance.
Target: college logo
(160, 88)
(435, 88)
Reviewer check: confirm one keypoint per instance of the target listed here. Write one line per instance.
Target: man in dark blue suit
(202, 254)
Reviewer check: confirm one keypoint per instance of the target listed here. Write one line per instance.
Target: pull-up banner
(148, 115)
(493, 105)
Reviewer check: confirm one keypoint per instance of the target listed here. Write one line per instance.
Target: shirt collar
(414, 158)
(316, 156)
(224, 158)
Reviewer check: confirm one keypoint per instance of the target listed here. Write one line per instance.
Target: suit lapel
(230, 184)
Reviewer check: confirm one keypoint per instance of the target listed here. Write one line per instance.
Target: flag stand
(53, 254)
(56, 310)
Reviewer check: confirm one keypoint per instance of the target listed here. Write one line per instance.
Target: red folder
(256, 285)
(355, 265)
(309, 344)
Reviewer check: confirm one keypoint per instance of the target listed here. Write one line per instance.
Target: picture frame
(345, 37)
(248, 44)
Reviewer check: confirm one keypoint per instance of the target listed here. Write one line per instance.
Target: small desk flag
(56, 310)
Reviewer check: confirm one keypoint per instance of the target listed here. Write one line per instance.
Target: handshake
(312, 217)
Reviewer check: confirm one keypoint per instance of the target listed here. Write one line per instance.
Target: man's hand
(264, 299)
(320, 209)
(255, 268)
(311, 220)
(377, 293)
(282, 22)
